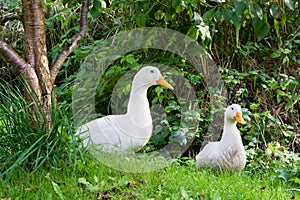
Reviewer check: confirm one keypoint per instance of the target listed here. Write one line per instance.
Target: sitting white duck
(228, 153)
(130, 131)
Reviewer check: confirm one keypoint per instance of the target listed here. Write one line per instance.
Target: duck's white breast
(233, 157)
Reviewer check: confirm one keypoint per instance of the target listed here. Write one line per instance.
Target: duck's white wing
(114, 132)
(217, 156)
(103, 131)
(208, 155)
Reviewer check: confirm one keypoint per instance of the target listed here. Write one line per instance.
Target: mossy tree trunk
(35, 66)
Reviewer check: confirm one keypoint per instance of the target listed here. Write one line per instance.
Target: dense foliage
(254, 43)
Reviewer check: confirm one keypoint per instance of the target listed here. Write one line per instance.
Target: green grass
(21, 145)
(94, 180)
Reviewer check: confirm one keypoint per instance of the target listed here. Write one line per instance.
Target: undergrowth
(25, 140)
(254, 43)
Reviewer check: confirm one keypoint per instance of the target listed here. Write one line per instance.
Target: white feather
(132, 130)
(229, 152)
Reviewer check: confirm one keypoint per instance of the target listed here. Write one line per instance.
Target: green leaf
(240, 7)
(238, 14)
(169, 16)
(276, 54)
(295, 180)
(88, 185)
(237, 19)
(286, 60)
(179, 7)
(287, 51)
(284, 174)
(57, 190)
(95, 9)
(208, 16)
(193, 32)
(218, 15)
(227, 14)
(83, 181)
(141, 19)
(261, 28)
(276, 25)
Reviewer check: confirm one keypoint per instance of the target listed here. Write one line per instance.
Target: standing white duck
(229, 152)
(130, 131)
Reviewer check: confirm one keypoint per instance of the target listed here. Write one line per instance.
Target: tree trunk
(35, 66)
(35, 51)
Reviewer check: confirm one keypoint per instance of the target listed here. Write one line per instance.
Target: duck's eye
(232, 108)
(152, 71)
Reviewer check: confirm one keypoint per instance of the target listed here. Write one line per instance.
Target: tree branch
(21, 65)
(12, 56)
(9, 17)
(69, 47)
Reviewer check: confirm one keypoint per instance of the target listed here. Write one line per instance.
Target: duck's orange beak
(238, 117)
(161, 81)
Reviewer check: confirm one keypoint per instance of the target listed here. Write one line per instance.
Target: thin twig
(69, 47)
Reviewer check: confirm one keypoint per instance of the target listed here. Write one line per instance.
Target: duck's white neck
(138, 105)
(231, 134)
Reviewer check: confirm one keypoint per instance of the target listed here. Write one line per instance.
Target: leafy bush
(254, 43)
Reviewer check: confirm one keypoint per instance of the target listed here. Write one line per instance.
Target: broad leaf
(237, 19)
(261, 28)
(227, 14)
(239, 7)
(95, 9)
(208, 16)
